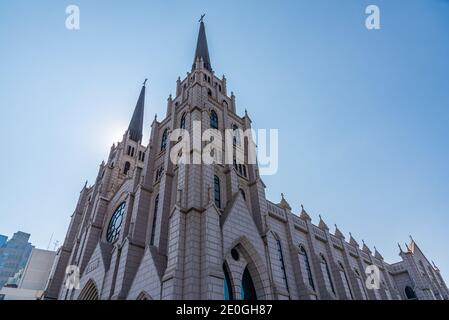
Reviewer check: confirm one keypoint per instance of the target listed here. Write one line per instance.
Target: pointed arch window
(236, 135)
(360, 284)
(247, 291)
(281, 259)
(327, 274)
(217, 192)
(164, 140)
(183, 121)
(243, 194)
(227, 286)
(126, 168)
(153, 227)
(306, 266)
(115, 224)
(345, 279)
(410, 293)
(213, 120)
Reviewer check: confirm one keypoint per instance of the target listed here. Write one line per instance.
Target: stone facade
(185, 236)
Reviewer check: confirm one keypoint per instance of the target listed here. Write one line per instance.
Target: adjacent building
(153, 228)
(3, 240)
(14, 255)
(29, 283)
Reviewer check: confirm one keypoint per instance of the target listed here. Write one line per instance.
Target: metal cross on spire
(202, 17)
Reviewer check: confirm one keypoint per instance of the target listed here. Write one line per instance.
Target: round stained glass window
(115, 224)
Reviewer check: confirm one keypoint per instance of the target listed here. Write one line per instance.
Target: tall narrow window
(410, 293)
(126, 168)
(281, 259)
(153, 227)
(183, 121)
(345, 279)
(248, 292)
(164, 140)
(306, 266)
(227, 286)
(327, 274)
(360, 284)
(217, 192)
(213, 120)
(243, 194)
(236, 135)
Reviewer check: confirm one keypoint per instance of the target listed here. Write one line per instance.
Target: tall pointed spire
(202, 51)
(136, 125)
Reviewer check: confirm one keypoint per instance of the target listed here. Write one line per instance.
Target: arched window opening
(410, 293)
(243, 194)
(360, 284)
(346, 284)
(153, 227)
(248, 291)
(235, 164)
(89, 292)
(236, 135)
(213, 120)
(126, 168)
(217, 192)
(281, 259)
(164, 140)
(306, 266)
(115, 224)
(209, 92)
(227, 286)
(326, 272)
(183, 121)
(143, 296)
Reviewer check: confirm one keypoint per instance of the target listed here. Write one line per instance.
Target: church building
(149, 228)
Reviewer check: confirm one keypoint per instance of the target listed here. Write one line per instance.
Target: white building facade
(149, 228)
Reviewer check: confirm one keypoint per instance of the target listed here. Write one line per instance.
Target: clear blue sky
(363, 115)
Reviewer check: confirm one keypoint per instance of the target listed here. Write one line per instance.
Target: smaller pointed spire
(435, 266)
(352, 240)
(304, 214)
(377, 254)
(284, 204)
(135, 127)
(365, 248)
(400, 248)
(408, 248)
(338, 233)
(322, 225)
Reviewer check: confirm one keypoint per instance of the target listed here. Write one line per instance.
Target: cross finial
(202, 17)
(144, 83)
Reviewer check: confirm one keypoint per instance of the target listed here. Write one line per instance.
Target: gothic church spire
(202, 51)
(136, 125)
